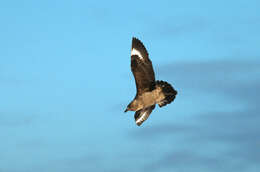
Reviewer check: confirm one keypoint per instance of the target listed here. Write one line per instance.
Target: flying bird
(149, 92)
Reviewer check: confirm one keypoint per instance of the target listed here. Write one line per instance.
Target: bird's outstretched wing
(141, 67)
(143, 114)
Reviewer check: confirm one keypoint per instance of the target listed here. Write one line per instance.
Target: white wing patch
(136, 52)
(142, 118)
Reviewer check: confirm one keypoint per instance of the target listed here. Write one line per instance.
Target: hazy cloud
(11, 119)
(238, 79)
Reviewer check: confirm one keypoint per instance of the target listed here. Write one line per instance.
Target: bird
(149, 91)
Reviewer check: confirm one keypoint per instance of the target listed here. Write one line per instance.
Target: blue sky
(66, 80)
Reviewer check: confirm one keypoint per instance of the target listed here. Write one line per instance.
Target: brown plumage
(149, 92)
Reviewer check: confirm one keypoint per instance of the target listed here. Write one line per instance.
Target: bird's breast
(150, 98)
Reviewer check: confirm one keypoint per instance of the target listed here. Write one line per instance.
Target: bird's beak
(126, 110)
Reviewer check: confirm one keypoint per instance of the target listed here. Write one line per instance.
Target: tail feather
(169, 92)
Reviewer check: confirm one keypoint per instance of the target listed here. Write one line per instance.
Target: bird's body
(149, 91)
(149, 98)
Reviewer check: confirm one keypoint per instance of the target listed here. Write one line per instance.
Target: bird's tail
(168, 91)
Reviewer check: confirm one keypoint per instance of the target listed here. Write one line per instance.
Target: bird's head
(132, 106)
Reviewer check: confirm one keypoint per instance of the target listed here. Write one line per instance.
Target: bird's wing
(143, 114)
(141, 67)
